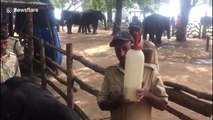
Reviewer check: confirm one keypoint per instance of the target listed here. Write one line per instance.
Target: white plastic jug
(134, 66)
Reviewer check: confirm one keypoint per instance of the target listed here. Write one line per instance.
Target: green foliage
(147, 5)
(208, 2)
(95, 4)
(59, 3)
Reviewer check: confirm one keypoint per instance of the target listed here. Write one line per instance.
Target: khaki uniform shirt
(112, 87)
(9, 66)
(15, 46)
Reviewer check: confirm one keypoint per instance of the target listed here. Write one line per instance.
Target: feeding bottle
(134, 66)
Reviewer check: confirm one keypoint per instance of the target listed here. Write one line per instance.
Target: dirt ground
(186, 63)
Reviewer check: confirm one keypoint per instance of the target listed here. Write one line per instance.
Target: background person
(14, 44)
(145, 43)
(9, 61)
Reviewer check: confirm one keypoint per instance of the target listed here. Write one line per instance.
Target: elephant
(70, 18)
(91, 17)
(206, 21)
(155, 25)
(23, 100)
(58, 24)
(83, 19)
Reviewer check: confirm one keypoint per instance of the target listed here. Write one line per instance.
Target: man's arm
(156, 95)
(109, 105)
(104, 97)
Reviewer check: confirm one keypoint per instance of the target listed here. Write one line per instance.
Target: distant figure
(172, 25)
(205, 21)
(136, 21)
(126, 19)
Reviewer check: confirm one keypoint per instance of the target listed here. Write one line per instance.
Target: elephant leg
(152, 38)
(79, 28)
(58, 28)
(85, 28)
(62, 27)
(88, 29)
(94, 30)
(158, 38)
(69, 27)
(95, 26)
(144, 35)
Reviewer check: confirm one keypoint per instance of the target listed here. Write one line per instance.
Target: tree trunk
(117, 23)
(109, 13)
(109, 10)
(184, 18)
(181, 28)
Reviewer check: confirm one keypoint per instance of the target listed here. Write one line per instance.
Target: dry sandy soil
(186, 63)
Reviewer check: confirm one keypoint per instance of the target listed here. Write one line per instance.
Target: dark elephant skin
(70, 18)
(155, 25)
(84, 20)
(58, 24)
(206, 21)
(22, 100)
(91, 17)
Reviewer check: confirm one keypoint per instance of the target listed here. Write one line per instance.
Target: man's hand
(142, 93)
(154, 100)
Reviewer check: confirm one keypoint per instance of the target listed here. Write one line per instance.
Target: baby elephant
(22, 100)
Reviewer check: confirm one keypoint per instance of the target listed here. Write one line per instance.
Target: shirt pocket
(115, 92)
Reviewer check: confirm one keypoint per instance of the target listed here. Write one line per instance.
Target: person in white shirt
(9, 61)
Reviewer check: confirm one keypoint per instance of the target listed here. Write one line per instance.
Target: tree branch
(194, 3)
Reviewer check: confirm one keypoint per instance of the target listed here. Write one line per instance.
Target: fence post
(207, 43)
(199, 34)
(70, 81)
(43, 63)
(30, 43)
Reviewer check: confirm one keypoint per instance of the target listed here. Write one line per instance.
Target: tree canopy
(145, 5)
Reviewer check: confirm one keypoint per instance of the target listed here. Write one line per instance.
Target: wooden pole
(10, 27)
(89, 64)
(84, 86)
(56, 65)
(189, 102)
(199, 34)
(70, 81)
(207, 43)
(31, 47)
(177, 113)
(198, 94)
(43, 64)
(51, 36)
